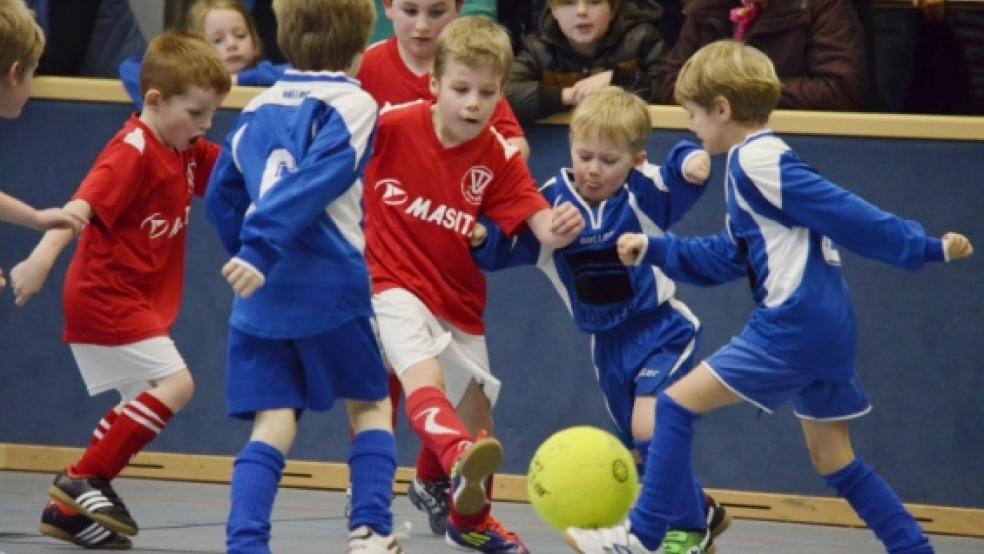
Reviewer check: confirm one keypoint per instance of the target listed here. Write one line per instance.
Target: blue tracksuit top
(286, 198)
(781, 224)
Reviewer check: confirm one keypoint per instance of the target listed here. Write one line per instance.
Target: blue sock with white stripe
(667, 485)
(255, 476)
(372, 465)
(881, 510)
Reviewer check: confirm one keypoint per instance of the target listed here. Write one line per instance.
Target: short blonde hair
(615, 115)
(323, 34)
(476, 42)
(736, 71)
(195, 22)
(21, 38)
(176, 61)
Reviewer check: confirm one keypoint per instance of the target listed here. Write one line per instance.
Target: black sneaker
(95, 498)
(78, 529)
(431, 497)
(718, 519)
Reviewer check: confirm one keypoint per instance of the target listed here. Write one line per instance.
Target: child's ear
(152, 99)
(722, 108)
(13, 76)
(639, 158)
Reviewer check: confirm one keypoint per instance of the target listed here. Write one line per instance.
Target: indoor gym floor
(189, 517)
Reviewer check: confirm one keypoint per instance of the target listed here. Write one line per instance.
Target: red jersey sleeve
(113, 182)
(206, 153)
(514, 198)
(504, 120)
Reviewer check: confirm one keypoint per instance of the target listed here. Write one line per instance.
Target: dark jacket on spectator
(547, 63)
(817, 47)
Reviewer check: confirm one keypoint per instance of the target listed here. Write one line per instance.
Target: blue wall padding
(920, 353)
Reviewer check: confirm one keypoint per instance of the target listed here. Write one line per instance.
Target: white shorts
(127, 367)
(409, 333)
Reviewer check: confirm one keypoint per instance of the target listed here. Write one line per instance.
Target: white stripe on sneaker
(92, 534)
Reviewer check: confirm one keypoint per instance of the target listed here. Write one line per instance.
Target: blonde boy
(21, 44)
(286, 199)
(398, 69)
(436, 167)
(783, 220)
(123, 287)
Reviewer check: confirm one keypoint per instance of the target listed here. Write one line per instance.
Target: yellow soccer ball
(582, 477)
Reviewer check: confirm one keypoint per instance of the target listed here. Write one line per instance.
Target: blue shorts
(643, 358)
(307, 373)
(767, 382)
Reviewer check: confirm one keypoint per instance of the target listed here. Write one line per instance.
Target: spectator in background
(87, 37)
(817, 47)
(583, 46)
(229, 27)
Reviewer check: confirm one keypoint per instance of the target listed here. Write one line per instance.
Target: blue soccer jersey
(782, 222)
(598, 290)
(286, 199)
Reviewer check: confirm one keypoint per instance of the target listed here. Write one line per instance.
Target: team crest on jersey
(474, 183)
(393, 193)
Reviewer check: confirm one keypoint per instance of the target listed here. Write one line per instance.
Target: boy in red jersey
(398, 69)
(123, 287)
(437, 166)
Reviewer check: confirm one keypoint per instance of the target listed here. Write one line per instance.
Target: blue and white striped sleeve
(226, 198)
(847, 219)
(668, 195)
(702, 261)
(329, 168)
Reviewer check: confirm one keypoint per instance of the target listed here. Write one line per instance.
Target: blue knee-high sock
(881, 510)
(372, 465)
(667, 485)
(255, 476)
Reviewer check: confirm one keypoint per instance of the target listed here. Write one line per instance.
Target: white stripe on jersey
(665, 286)
(346, 210)
(787, 249)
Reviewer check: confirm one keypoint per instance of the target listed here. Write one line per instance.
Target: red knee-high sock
(103, 426)
(433, 419)
(429, 466)
(141, 420)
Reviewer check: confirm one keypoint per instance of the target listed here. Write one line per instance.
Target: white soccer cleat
(605, 541)
(363, 540)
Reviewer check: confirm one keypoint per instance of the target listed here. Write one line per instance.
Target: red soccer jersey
(384, 76)
(124, 282)
(422, 201)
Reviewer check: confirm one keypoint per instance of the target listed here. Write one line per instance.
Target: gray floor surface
(189, 517)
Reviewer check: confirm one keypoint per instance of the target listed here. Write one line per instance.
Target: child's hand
(567, 222)
(3, 282)
(478, 235)
(589, 85)
(629, 246)
(956, 246)
(27, 279)
(243, 279)
(697, 168)
(57, 218)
